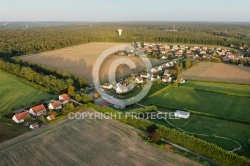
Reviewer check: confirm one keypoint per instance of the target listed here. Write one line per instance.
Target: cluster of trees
(22, 41)
(51, 80)
(197, 145)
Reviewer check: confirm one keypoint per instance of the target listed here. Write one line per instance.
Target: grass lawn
(9, 129)
(14, 93)
(210, 126)
(202, 101)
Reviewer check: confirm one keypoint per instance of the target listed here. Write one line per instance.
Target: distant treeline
(23, 41)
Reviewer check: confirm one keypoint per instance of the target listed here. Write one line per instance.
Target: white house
(38, 110)
(181, 114)
(154, 70)
(145, 75)
(64, 98)
(163, 57)
(166, 79)
(167, 72)
(51, 117)
(19, 118)
(160, 68)
(139, 80)
(155, 77)
(34, 126)
(107, 86)
(121, 89)
(56, 105)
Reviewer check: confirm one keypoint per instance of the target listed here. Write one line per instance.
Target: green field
(14, 93)
(220, 104)
(223, 99)
(210, 126)
(221, 87)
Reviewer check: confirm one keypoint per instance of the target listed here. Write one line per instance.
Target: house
(145, 75)
(160, 68)
(131, 54)
(107, 86)
(155, 70)
(19, 118)
(178, 53)
(121, 89)
(155, 77)
(38, 110)
(181, 114)
(64, 98)
(163, 57)
(56, 105)
(167, 72)
(34, 126)
(166, 79)
(51, 117)
(139, 80)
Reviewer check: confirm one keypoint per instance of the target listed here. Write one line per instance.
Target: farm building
(38, 110)
(122, 89)
(56, 105)
(19, 118)
(181, 114)
(64, 98)
(34, 126)
(51, 117)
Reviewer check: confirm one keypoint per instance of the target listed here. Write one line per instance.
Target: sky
(125, 10)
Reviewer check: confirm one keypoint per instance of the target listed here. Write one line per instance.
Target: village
(202, 53)
(32, 115)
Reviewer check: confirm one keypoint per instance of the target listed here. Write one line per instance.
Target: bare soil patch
(218, 72)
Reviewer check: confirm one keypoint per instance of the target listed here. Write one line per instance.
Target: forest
(20, 41)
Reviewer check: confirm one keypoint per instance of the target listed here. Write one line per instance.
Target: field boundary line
(203, 135)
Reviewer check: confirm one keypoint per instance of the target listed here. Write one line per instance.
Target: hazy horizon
(124, 11)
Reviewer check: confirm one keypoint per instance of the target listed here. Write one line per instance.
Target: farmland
(185, 97)
(223, 99)
(16, 94)
(85, 142)
(204, 125)
(218, 72)
(80, 60)
(9, 129)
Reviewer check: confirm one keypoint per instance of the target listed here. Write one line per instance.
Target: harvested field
(80, 60)
(218, 72)
(85, 142)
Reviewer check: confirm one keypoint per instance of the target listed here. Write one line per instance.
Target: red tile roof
(38, 108)
(52, 116)
(22, 115)
(56, 104)
(65, 97)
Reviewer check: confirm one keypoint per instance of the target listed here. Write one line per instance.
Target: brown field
(218, 72)
(85, 142)
(80, 59)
